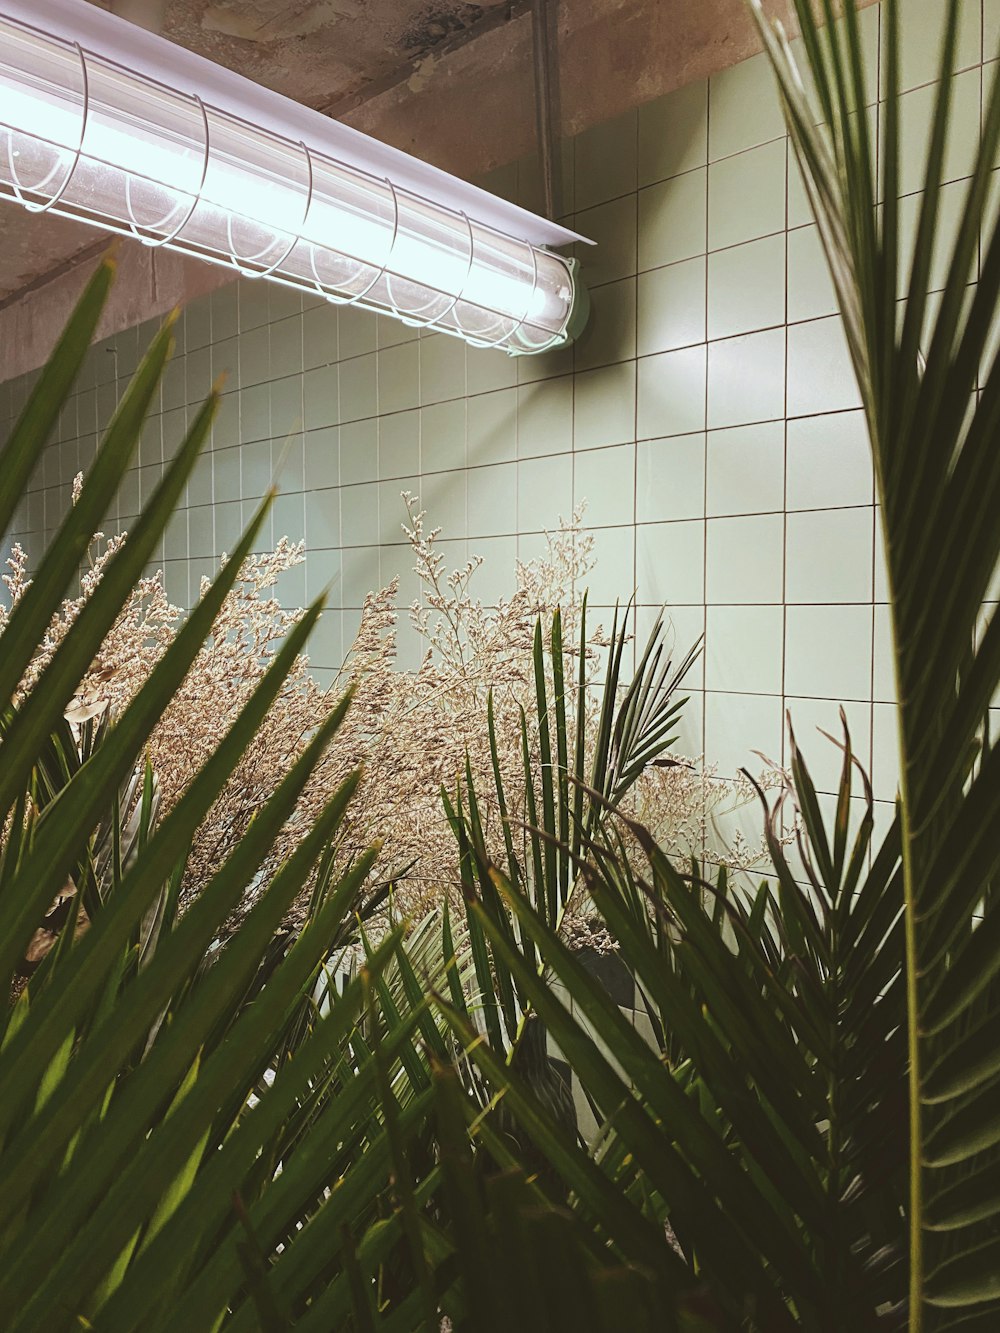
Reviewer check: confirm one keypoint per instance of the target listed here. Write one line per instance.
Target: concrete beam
(467, 111)
(473, 109)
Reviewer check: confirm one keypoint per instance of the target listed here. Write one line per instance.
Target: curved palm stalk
(937, 468)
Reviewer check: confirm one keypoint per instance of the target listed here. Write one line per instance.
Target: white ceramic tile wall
(708, 416)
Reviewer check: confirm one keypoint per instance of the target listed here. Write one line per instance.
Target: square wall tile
(684, 629)
(355, 331)
(744, 108)
(320, 391)
(605, 479)
(320, 343)
(359, 451)
(286, 407)
(740, 727)
(544, 365)
(492, 427)
(612, 579)
(201, 530)
(255, 469)
(197, 325)
(392, 508)
(604, 406)
(226, 362)
(673, 133)
(917, 110)
(746, 470)
(746, 195)
(991, 29)
(493, 500)
(670, 478)
(228, 526)
(495, 579)
(359, 522)
(610, 332)
(829, 556)
(673, 220)
(322, 517)
(885, 752)
(829, 461)
(287, 463)
(746, 379)
(951, 214)
(360, 575)
(743, 649)
(921, 31)
(800, 212)
(286, 347)
(746, 287)
(443, 436)
(442, 367)
(671, 307)
(671, 393)
(289, 516)
(255, 358)
(399, 444)
(605, 160)
(745, 558)
(881, 573)
(282, 303)
(490, 368)
(321, 449)
(390, 332)
(810, 287)
(820, 374)
(128, 494)
(613, 229)
(444, 497)
(824, 759)
(199, 486)
(223, 301)
(399, 377)
(358, 389)
(545, 417)
(670, 563)
(326, 644)
(828, 651)
(883, 672)
(544, 494)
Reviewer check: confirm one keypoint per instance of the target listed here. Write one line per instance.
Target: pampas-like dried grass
(409, 732)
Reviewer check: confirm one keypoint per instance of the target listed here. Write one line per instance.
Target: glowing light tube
(111, 125)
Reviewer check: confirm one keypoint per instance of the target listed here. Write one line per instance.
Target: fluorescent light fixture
(109, 124)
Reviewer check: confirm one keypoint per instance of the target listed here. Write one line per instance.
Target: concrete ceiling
(447, 80)
(329, 54)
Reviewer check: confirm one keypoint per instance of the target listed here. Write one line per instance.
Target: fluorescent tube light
(103, 122)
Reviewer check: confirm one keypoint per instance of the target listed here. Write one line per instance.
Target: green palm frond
(767, 1140)
(930, 386)
(175, 1113)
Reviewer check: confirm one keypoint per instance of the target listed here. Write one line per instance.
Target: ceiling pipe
(545, 132)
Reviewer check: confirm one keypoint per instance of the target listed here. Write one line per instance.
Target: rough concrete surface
(456, 88)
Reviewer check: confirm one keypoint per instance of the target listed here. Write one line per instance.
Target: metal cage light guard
(119, 128)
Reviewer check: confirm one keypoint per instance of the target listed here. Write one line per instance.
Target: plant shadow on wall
(195, 1136)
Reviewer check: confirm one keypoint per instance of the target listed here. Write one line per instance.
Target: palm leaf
(937, 472)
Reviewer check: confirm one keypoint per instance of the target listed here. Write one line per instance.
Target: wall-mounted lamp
(111, 125)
